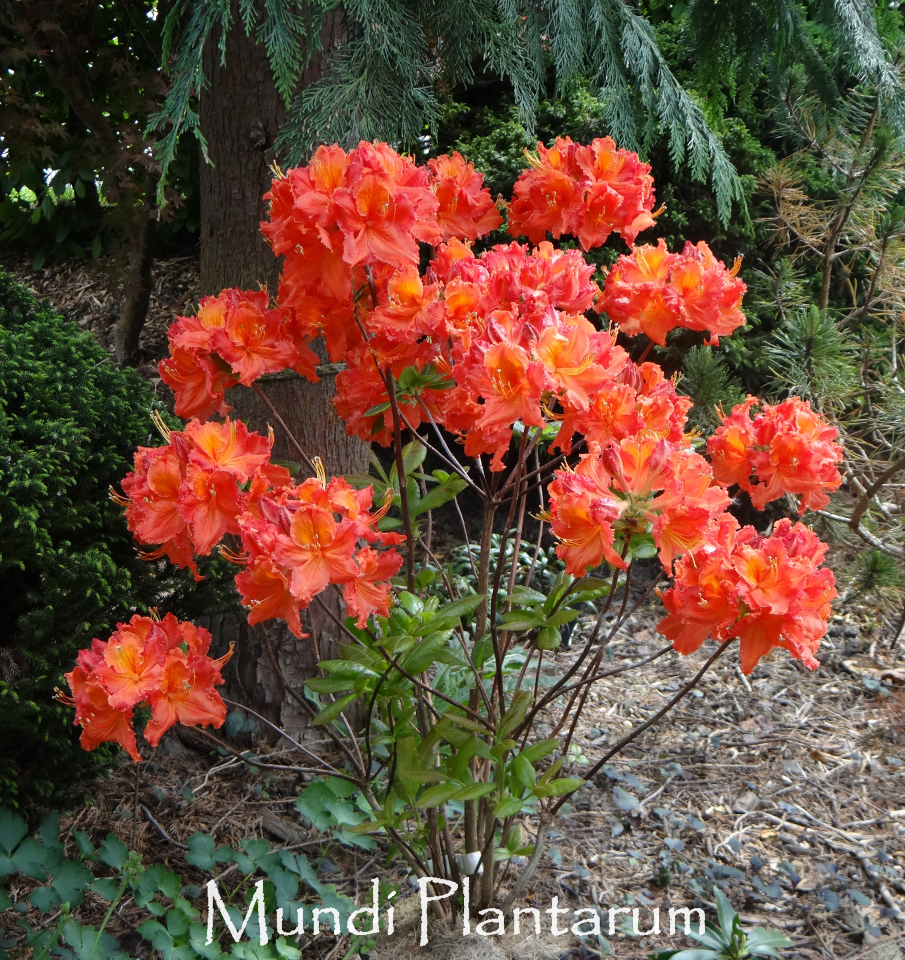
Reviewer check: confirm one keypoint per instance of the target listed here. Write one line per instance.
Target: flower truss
(379, 262)
(162, 663)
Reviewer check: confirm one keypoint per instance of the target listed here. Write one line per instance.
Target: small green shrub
(69, 423)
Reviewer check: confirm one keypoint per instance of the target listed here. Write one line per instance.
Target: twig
(160, 829)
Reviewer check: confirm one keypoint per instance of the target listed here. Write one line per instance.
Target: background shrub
(69, 423)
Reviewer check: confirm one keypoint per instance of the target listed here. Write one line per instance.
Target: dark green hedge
(69, 423)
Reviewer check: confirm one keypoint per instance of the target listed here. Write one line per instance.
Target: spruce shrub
(69, 423)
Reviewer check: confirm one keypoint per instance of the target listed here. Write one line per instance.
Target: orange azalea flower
(568, 358)
(133, 663)
(376, 224)
(186, 695)
(584, 526)
(264, 589)
(318, 551)
(466, 209)
(163, 663)
(369, 592)
(707, 295)
(611, 415)
(254, 341)
(198, 383)
(730, 446)
(653, 291)
(194, 333)
(765, 591)
(620, 174)
(411, 309)
(228, 446)
(589, 192)
(153, 491)
(100, 722)
(210, 501)
(510, 385)
(634, 295)
(547, 196)
(786, 448)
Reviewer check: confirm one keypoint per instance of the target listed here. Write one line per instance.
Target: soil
(787, 787)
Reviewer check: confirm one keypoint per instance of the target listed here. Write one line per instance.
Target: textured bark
(137, 286)
(241, 114)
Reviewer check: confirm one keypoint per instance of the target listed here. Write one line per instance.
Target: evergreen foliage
(812, 358)
(710, 384)
(69, 423)
(382, 81)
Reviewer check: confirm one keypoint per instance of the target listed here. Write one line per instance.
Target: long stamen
(159, 422)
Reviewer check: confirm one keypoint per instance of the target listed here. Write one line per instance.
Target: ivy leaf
(12, 830)
(625, 800)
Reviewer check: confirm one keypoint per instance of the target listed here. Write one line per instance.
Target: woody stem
(403, 492)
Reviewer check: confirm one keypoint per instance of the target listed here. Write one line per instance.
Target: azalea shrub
(511, 368)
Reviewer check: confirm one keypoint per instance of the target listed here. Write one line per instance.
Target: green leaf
(514, 716)
(435, 796)
(549, 638)
(44, 899)
(525, 596)
(333, 710)
(407, 764)
(520, 621)
(328, 684)
(439, 495)
(33, 859)
(462, 607)
(12, 829)
(96, 247)
(556, 788)
(423, 654)
(625, 800)
(507, 807)
(367, 826)
(377, 408)
(767, 942)
(413, 455)
(693, 954)
(200, 851)
(474, 791)
(724, 910)
(70, 879)
(562, 616)
(113, 852)
(537, 751)
(522, 772)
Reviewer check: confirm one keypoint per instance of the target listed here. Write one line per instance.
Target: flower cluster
(162, 663)
(653, 291)
(233, 338)
(587, 191)
(185, 496)
(766, 591)
(303, 538)
(787, 448)
(213, 479)
(634, 486)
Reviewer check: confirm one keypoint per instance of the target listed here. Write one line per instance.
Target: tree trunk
(138, 281)
(241, 114)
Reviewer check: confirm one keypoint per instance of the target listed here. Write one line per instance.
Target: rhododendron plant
(506, 350)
